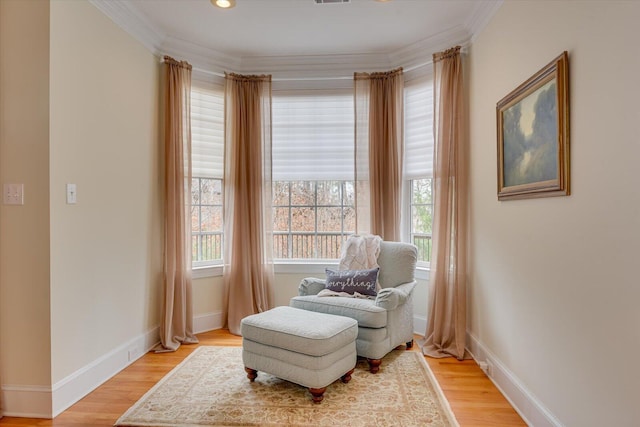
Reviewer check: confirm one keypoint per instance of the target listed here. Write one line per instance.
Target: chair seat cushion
(364, 311)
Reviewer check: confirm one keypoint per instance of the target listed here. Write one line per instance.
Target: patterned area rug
(210, 388)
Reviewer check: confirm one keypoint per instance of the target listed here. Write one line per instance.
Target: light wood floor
(472, 396)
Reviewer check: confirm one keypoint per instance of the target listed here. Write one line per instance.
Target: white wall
(554, 291)
(79, 103)
(24, 230)
(106, 256)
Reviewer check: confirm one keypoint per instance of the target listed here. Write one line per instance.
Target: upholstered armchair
(384, 322)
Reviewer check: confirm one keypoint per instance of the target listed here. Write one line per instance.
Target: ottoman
(304, 347)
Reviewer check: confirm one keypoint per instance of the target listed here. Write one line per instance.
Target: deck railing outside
(207, 246)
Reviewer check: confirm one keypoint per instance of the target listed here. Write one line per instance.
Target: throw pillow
(351, 281)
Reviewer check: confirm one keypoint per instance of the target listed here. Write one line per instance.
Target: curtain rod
(291, 79)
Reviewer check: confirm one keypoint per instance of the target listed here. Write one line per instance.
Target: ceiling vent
(331, 1)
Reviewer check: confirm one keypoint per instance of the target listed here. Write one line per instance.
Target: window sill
(280, 267)
(423, 273)
(304, 266)
(293, 267)
(206, 271)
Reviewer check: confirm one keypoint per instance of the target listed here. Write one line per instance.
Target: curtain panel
(446, 326)
(379, 152)
(176, 324)
(248, 265)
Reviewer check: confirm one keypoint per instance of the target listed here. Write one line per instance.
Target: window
(422, 216)
(418, 164)
(206, 220)
(313, 173)
(312, 218)
(207, 157)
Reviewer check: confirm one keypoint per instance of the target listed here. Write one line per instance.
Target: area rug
(210, 388)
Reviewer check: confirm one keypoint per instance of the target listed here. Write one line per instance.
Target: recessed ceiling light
(224, 4)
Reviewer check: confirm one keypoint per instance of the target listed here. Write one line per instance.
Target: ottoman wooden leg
(317, 394)
(251, 373)
(374, 365)
(409, 345)
(347, 377)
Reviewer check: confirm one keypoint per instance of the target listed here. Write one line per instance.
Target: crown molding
(421, 52)
(312, 66)
(483, 13)
(301, 67)
(208, 61)
(132, 22)
(200, 57)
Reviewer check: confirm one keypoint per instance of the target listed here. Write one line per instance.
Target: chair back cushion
(397, 263)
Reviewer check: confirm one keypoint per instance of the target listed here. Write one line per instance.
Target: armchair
(383, 323)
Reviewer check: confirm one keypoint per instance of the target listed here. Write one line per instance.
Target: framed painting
(533, 135)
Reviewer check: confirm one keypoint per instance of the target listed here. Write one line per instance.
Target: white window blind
(312, 135)
(418, 129)
(207, 130)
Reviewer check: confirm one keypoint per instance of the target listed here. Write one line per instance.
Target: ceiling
(300, 28)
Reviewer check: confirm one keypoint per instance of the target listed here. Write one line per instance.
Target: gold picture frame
(533, 135)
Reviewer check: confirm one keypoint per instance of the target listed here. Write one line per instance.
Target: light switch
(71, 194)
(13, 194)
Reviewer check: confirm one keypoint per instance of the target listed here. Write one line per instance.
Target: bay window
(313, 171)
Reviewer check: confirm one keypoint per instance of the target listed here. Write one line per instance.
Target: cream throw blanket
(358, 253)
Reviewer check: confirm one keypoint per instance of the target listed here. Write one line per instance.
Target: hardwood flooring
(472, 396)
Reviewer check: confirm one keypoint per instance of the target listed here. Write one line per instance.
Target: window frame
(211, 94)
(416, 80)
(195, 263)
(316, 233)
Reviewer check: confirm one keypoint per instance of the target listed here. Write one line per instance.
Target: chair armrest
(311, 286)
(392, 298)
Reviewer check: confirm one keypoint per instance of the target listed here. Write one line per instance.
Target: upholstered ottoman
(307, 348)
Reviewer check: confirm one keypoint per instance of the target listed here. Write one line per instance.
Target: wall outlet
(489, 370)
(13, 194)
(132, 353)
(487, 367)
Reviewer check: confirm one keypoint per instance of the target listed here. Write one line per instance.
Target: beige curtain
(176, 325)
(445, 335)
(248, 266)
(379, 152)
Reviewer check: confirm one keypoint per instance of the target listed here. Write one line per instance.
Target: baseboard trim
(74, 387)
(208, 322)
(26, 401)
(419, 325)
(49, 402)
(532, 411)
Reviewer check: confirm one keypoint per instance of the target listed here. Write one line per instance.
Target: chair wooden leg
(251, 373)
(317, 394)
(374, 365)
(347, 377)
(409, 345)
